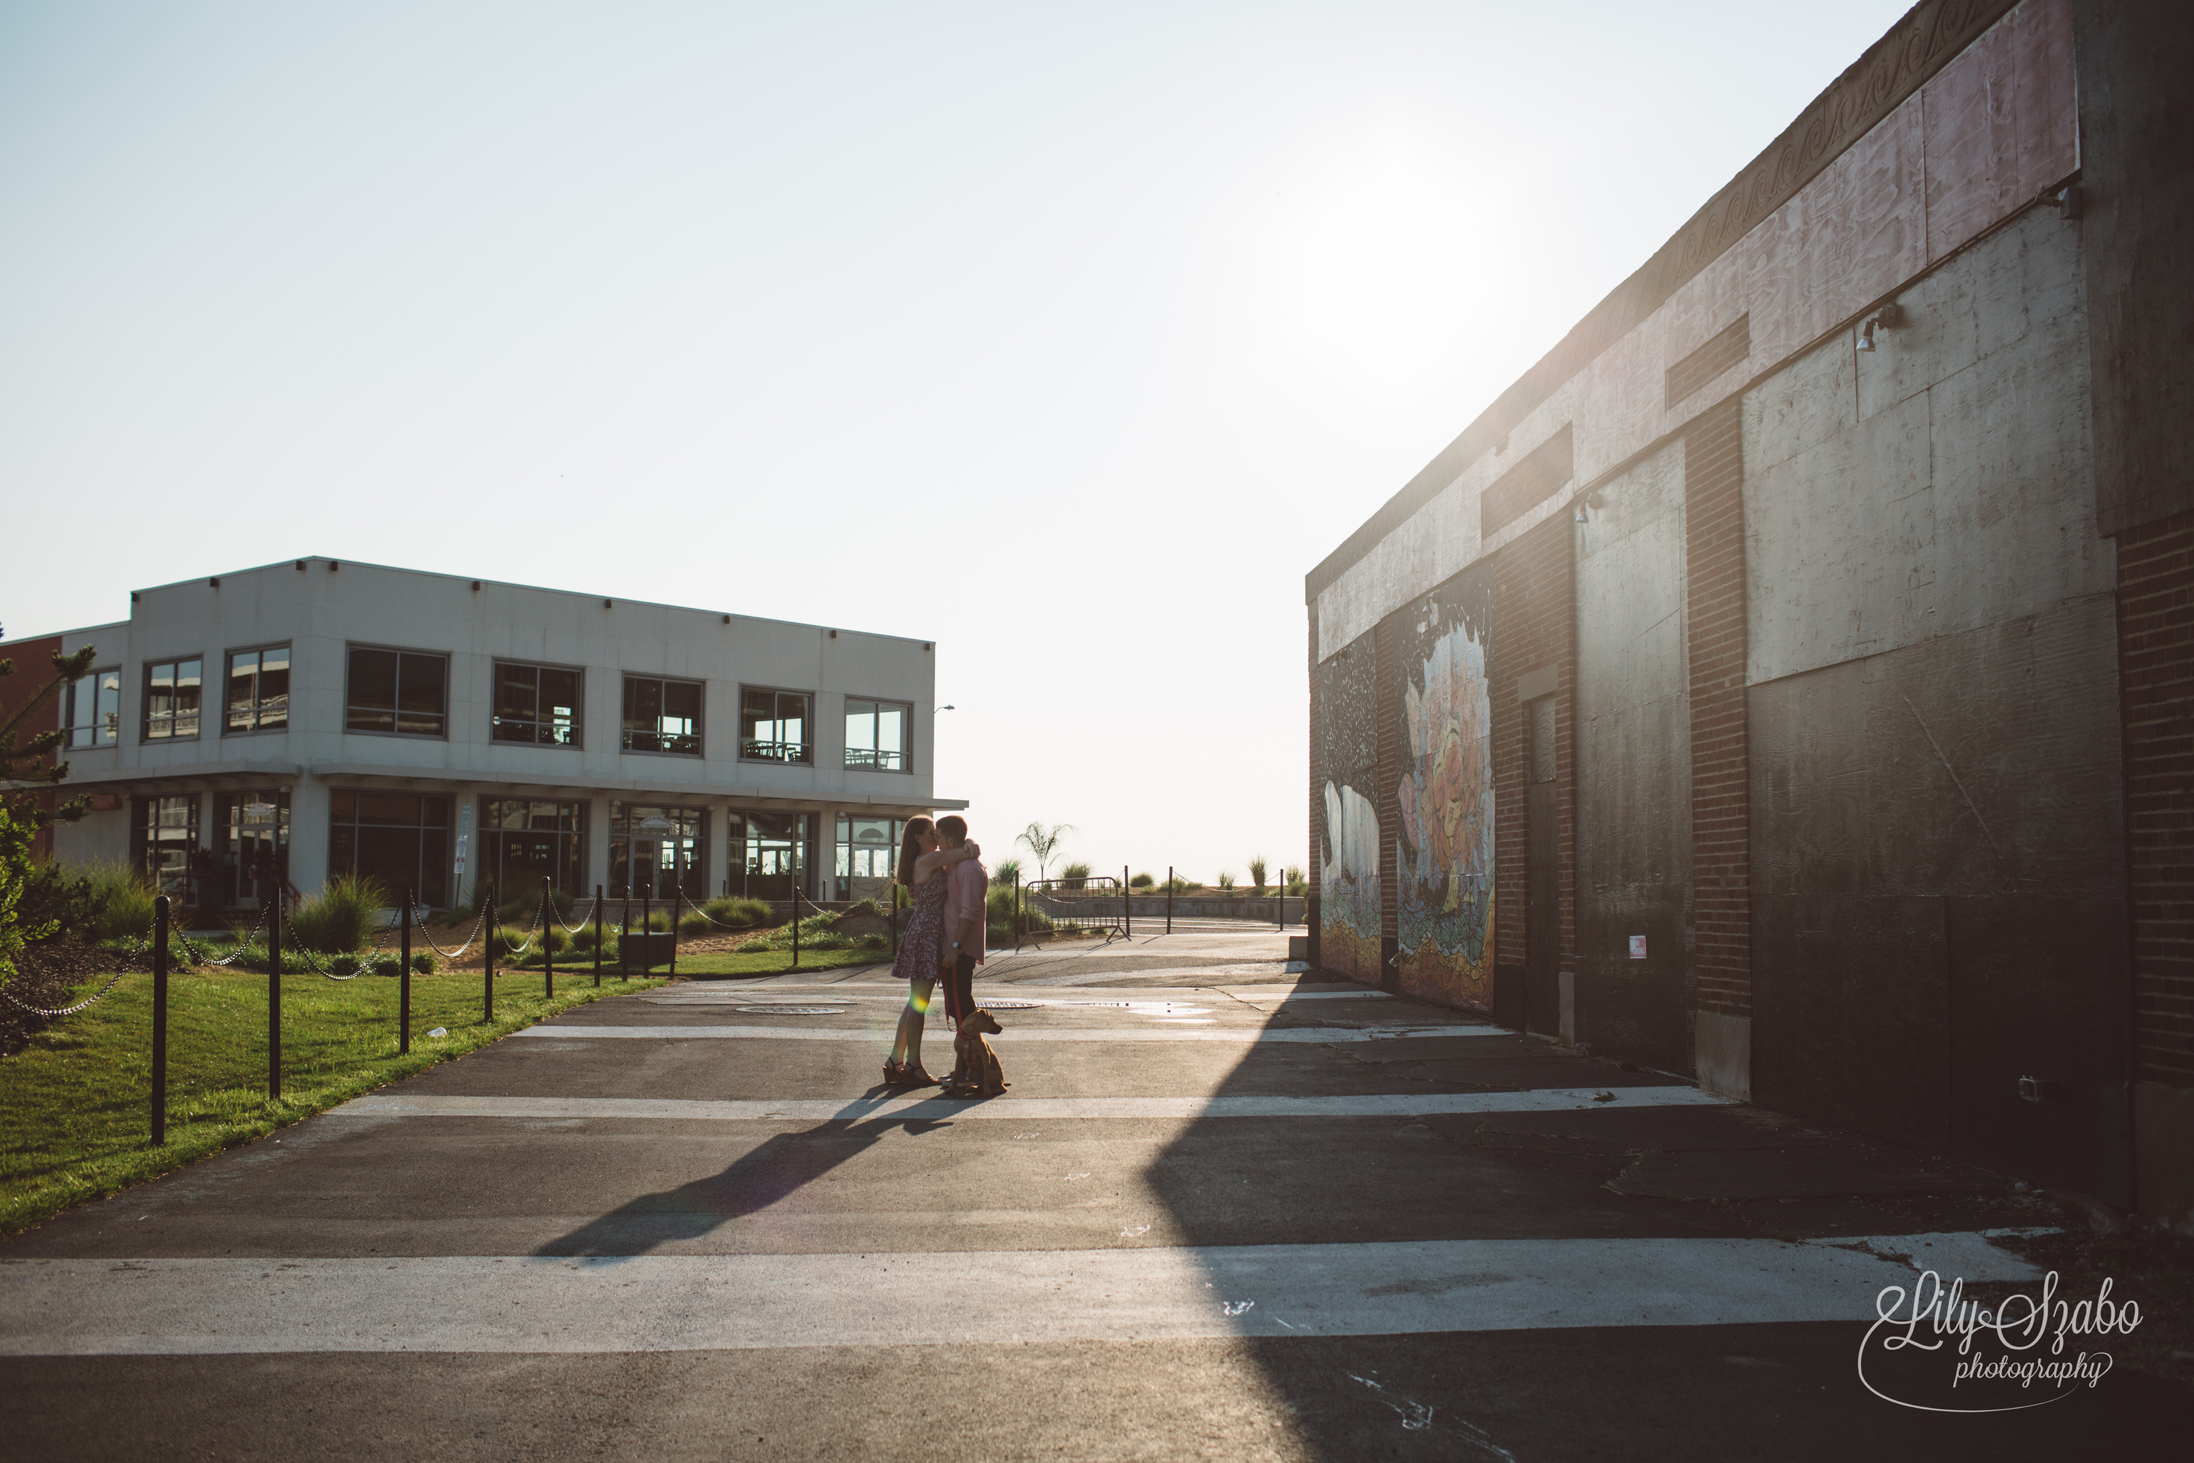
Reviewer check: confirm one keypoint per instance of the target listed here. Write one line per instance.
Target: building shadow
(758, 1179)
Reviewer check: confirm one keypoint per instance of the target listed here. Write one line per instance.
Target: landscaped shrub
(1074, 875)
(342, 916)
(1143, 881)
(694, 923)
(425, 962)
(85, 903)
(737, 911)
(343, 964)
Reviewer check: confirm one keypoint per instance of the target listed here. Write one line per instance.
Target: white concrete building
(319, 717)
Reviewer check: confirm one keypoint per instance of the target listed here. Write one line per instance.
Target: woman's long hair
(910, 848)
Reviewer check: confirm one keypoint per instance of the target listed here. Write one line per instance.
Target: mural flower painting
(1445, 799)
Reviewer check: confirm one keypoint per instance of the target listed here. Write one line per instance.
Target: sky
(1069, 337)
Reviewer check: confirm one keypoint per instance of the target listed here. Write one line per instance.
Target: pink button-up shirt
(968, 883)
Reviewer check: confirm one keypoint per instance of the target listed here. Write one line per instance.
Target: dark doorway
(1542, 875)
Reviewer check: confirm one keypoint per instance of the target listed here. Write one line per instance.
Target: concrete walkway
(1224, 1211)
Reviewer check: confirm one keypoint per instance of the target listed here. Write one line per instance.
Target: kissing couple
(944, 934)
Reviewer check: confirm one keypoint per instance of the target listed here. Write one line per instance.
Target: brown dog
(977, 1073)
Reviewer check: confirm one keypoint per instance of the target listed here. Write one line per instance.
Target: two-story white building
(319, 717)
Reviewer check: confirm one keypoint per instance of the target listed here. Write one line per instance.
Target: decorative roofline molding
(1891, 70)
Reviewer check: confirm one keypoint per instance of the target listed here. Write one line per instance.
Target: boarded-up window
(1528, 484)
(1710, 360)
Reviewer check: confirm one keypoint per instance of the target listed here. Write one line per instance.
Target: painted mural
(1444, 860)
(1348, 759)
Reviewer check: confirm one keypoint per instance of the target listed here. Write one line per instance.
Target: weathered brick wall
(1384, 679)
(1714, 576)
(2156, 669)
(1316, 861)
(1534, 628)
(33, 669)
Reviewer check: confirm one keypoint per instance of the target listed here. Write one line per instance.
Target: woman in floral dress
(922, 865)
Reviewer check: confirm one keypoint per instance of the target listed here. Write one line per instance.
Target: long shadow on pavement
(766, 1175)
(1786, 1390)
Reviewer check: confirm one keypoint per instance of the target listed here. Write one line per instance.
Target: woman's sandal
(915, 1077)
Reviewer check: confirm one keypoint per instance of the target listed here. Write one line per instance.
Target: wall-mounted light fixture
(727, 619)
(213, 584)
(605, 604)
(2070, 200)
(1889, 317)
(300, 566)
(475, 586)
(834, 634)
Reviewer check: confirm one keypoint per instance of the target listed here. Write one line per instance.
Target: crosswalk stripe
(71, 1307)
(1017, 1109)
(1240, 1035)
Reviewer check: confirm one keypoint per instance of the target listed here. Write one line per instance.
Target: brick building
(1790, 680)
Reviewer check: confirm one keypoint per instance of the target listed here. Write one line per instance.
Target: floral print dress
(922, 943)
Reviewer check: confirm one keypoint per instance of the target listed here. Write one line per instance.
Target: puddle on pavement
(780, 1010)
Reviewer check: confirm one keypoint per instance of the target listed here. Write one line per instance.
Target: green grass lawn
(760, 962)
(75, 1105)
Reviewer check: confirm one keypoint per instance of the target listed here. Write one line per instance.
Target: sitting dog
(977, 1073)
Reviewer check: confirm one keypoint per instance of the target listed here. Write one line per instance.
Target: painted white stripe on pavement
(1241, 1035)
(1020, 1109)
(895, 994)
(709, 1302)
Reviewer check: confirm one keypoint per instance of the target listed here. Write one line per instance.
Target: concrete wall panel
(1912, 812)
(1634, 768)
(1950, 487)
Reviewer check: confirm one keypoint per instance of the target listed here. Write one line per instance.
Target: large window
(876, 734)
(772, 853)
(866, 849)
(171, 699)
(165, 832)
(254, 846)
(773, 726)
(662, 715)
(258, 694)
(403, 692)
(655, 851)
(536, 704)
(523, 842)
(400, 838)
(95, 710)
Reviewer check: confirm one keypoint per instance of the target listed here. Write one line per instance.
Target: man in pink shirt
(967, 916)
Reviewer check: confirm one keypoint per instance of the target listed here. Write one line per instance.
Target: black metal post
(597, 937)
(1169, 899)
(494, 933)
(274, 1001)
(1127, 906)
(403, 980)
(548, 946)
(677, 899)
(647, 925)
(624, 930)
(1020, 915)
(1283, 898)
(796, 927)
(895, 917)
(160, 1021)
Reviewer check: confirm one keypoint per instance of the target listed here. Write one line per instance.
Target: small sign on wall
(1637, 947)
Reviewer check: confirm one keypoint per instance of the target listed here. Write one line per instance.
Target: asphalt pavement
(1228, 1208)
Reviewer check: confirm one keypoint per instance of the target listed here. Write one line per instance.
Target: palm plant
(1042, 842)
